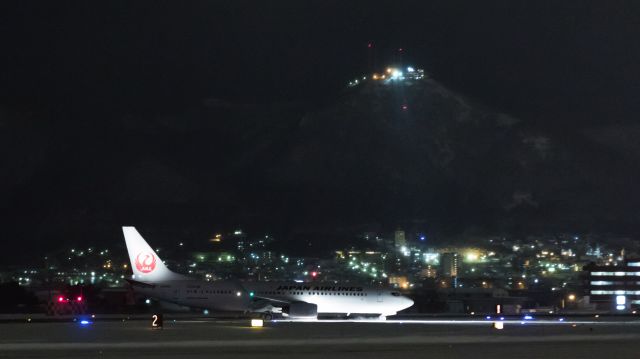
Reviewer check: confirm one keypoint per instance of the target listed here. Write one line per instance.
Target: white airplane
(293, 300)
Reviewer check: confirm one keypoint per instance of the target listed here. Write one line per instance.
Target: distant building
(614, 287)
(428, 272)
(391, 75)
(400, 239)
(399, 282)
(449, 264)
(480, 300)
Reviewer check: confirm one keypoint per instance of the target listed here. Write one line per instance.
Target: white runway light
(257, 323)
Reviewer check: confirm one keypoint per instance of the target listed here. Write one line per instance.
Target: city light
(401, 264)
(471, 257)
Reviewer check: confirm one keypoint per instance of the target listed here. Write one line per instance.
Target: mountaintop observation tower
(391, 75)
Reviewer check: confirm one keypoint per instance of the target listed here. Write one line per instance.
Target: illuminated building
(428, 272)
(449, 264)
(614, 287)
(449, 267)
(399, 282)
(391, 75)
(400, 239)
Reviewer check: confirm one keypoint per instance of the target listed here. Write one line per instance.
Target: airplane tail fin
(145, 263)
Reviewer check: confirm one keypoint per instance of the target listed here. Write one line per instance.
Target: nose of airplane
(406, 303)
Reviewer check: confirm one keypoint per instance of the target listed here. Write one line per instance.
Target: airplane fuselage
(247, 296)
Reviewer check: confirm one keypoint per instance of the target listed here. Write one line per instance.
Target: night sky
(95, 97)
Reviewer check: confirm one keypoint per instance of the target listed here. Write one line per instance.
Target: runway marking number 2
(156, 322)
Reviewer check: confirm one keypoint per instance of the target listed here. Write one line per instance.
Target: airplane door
(379, 296)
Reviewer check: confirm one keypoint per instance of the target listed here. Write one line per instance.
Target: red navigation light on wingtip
(60, 299)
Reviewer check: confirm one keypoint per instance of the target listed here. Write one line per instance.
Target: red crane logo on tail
(145, 262)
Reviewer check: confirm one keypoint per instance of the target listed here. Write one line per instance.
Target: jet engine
(302, 310)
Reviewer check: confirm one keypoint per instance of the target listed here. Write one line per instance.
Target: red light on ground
(79, 299)
(369, 45)
(60, 299)
(400, 49)
(314, 274)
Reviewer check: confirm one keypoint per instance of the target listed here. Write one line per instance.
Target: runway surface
(205, 338)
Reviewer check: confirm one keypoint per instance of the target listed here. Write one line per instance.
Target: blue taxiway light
(528, 317)
(85, 322)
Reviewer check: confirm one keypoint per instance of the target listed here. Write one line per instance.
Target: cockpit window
(395, 294)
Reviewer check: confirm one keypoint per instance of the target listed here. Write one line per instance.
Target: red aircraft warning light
(79, 299)
(314, 274)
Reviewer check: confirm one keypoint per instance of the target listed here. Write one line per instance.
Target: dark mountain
(377, 156)
(420, 152)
